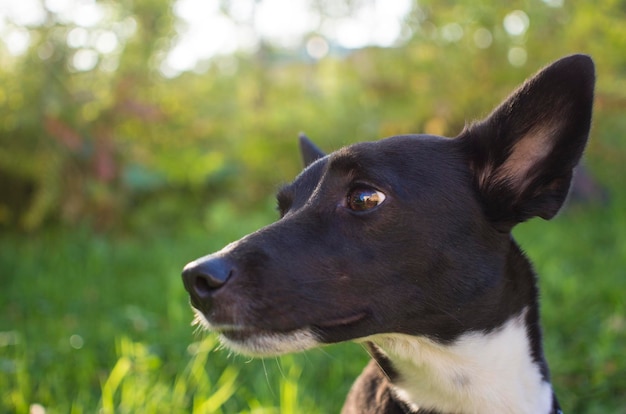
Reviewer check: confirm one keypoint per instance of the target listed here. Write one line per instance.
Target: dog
(404, 244)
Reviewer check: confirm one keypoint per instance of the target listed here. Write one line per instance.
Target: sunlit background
(138, 135)
(206, 29)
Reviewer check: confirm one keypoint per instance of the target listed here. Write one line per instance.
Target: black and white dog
(405, 244)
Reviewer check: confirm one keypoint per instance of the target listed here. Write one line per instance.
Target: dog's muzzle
(203, 277)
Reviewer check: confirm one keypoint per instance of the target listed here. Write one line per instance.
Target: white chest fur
(479, 373)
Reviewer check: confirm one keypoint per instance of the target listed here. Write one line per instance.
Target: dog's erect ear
(309, 151)
(522, 155)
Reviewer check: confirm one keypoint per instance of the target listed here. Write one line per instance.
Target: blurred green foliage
(102, 146)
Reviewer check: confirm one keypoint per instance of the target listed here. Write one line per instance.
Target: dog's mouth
(342, 320)
(266, 342)
(243, 333)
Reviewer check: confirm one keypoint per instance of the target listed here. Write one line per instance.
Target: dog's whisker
(280, 368)
(267, 378)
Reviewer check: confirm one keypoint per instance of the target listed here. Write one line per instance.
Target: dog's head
(409, 234)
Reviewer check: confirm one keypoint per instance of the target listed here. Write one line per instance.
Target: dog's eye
(364, 198)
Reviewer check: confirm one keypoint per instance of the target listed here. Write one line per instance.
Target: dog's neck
(479, 373)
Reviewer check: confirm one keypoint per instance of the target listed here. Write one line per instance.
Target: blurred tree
(91, 130)
(62, 102)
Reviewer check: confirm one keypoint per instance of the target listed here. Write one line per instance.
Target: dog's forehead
(371, 160)
(392, 155)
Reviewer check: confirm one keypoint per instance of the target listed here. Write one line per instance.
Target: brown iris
(364, 198)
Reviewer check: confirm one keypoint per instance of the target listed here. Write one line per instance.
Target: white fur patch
(273, 344)
(479, 373)
(262, 344)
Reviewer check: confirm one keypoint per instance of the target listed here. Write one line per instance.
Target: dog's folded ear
(522, 155)
(309, 151)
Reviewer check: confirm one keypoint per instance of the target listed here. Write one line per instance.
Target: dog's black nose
(204, 276)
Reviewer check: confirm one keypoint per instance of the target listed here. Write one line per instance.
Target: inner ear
(309, 151)
(520, 167)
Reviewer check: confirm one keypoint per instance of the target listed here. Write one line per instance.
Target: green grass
(581, 261)
(91, 323)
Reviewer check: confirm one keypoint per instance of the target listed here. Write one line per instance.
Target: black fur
(436, 259)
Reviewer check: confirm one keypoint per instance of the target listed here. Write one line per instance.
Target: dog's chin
(257, 342)
(263, 344)
(260, 343)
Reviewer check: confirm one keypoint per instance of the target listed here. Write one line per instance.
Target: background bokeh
(138, 135)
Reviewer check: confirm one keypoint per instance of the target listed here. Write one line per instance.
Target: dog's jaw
(266, 344)
(258, 343)
(478, 373)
